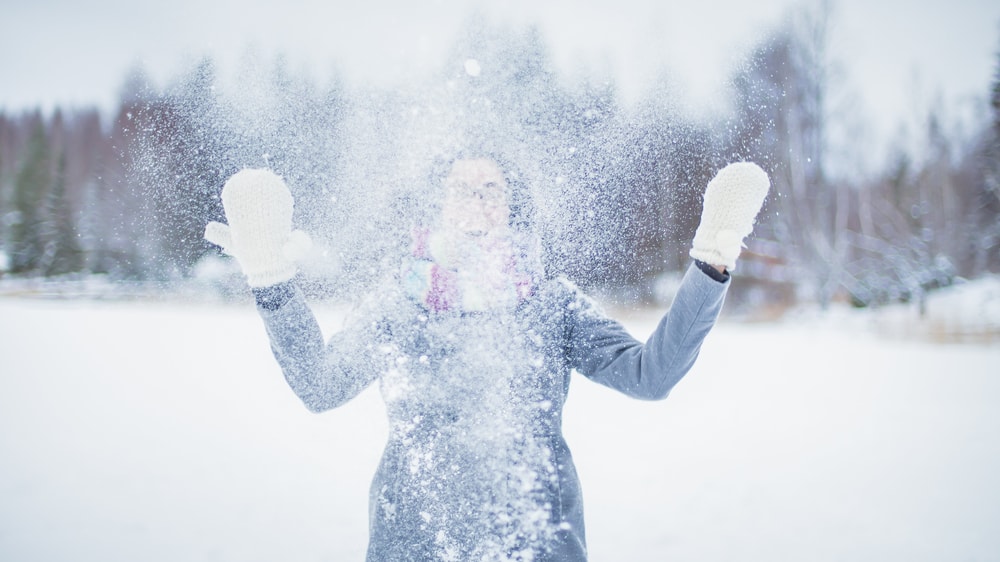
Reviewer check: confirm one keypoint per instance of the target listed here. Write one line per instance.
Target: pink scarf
(450, 271)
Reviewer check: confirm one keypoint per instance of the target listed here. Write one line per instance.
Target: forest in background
(127, 196)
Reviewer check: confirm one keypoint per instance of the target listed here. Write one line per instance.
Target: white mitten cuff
(732, 200)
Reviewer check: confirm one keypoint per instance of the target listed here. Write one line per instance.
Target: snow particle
(472, 67)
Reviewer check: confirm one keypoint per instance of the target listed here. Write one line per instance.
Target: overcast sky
(897, 55)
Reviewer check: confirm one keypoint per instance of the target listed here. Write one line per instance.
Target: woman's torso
(476, 465)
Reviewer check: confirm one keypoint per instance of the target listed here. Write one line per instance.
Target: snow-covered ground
(163, 431)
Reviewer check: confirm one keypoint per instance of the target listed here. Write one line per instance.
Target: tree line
(128, 195)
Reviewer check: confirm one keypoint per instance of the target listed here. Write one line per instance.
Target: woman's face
(475, 200)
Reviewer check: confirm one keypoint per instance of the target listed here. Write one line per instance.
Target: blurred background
(879, 124)
(143, 415)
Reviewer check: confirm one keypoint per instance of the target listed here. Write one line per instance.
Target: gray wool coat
(476, 467)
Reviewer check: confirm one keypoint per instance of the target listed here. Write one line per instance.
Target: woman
(473, 349)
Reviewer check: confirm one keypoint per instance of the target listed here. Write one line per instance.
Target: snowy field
(163, 431)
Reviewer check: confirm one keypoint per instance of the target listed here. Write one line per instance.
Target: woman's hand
(732, 200)
(259, 235)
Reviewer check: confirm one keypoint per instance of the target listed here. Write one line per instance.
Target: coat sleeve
(323, 375)
(601, 349)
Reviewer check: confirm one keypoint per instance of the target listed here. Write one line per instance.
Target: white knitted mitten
(259, 208)
(732, 200)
